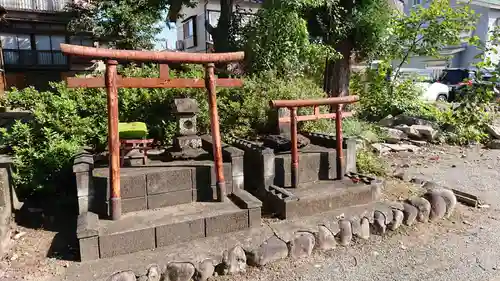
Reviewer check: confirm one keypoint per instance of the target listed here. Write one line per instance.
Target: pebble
(19, 235)
(467, 223)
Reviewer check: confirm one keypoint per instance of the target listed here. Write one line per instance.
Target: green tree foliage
(278, 39)
(124, 24)
(426, 31)
(320, 30)
(355, 29)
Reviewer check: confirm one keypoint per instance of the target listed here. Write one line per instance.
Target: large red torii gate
(112, 81)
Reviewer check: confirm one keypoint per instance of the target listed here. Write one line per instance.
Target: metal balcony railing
(36, 5)
(33, 58)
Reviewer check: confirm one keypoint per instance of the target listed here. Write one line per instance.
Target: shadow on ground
(53, 213)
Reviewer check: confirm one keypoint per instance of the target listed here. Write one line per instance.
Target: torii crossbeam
(112, 81)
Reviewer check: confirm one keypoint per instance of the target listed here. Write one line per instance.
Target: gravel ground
(462, 248)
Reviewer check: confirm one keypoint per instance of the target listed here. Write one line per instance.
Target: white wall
(494, 20)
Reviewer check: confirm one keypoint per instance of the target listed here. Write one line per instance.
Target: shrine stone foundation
(169, 200)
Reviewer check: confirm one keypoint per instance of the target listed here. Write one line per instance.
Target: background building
(30, 35)
(191, 33)
(462, 56)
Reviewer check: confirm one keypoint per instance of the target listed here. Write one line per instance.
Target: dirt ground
(43, 250)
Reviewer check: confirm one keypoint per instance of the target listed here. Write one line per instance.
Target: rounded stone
(410, 214)
(345, 233)
(123, 276)
(234, 261)
(397, 219)
(423, 206)
(438, 205)
(180, 271)
(450, 199)
(386, 210)
(154, 273)
(301, 245)
(205, 270)
(379, 222)
(364, 229)
(396, 205)
(271, 250)
(430, 185)
(355, 226)
(377, 186)
(325, 239)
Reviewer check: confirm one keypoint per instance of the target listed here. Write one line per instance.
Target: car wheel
(442, 98)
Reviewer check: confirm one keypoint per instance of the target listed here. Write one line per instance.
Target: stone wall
(263, 168)
(155, 187)
(6, 203)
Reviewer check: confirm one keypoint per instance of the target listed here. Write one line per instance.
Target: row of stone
(436, 203)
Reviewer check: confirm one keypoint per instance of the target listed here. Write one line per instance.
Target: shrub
(367, 162)
(380, 97)
(67, 119)
(285, 47)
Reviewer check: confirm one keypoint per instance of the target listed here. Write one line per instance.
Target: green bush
(369, 163)
(67, 119)
(380, 97)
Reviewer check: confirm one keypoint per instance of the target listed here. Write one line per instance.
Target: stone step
(321, 196)
(211, 248)
(150, 229)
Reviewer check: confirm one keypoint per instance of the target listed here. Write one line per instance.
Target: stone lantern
(187, 144)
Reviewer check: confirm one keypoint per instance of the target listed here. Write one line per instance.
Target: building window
(16, 41)
(416, 2)
(188, 28)
(48, 47)
(189, 32)
(16, 48)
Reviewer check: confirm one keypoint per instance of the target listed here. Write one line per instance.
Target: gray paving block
(83, 184)
(180, 232)
(87, 225)
(126, 242)
(134, 204)
(226, 223)
(170, 199)
(168, 181)
(254, 217)
(245, 200)
(89, 248)
(237, 166)
(133, 186)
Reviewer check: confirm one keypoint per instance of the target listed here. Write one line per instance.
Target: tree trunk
(338, 72)
(220, 33)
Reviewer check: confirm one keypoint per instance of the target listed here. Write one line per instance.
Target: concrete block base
(317, 197)
(150, 229)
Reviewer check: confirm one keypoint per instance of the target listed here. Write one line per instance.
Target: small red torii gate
(292, 105)
(112, 81)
